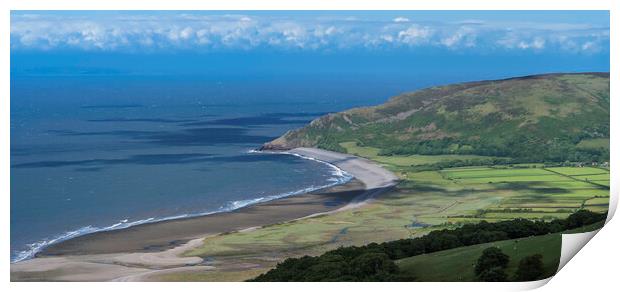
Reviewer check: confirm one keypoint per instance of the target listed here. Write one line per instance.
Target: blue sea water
(96, 153)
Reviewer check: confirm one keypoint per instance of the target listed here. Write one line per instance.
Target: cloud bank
(144, 31)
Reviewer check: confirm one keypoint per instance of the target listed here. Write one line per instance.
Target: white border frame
(589, 271)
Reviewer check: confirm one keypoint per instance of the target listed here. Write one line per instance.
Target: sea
(96, 153)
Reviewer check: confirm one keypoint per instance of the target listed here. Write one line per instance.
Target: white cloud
(415, 34)
(186, 33)
(514, 40)
(537, 44)
(41, 31)
(465, 36)
(401, 19)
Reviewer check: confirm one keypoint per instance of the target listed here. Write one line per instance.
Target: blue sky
(288, 41)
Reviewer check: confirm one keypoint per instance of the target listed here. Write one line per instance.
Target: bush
(491, 257)
(531, 268)
(495, 274)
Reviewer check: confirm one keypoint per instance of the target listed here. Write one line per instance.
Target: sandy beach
(153, 248)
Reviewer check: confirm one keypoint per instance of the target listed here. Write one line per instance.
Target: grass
(501, 116)
(422, 202)
(594, 144)
(211, 276)
(578, 171)
(538, 193)
(458, 264)
(402, 160)
(445, 197)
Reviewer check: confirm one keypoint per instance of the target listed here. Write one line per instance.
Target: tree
(375, 262)
(370, 264)
(494, 274)
(531, 268)
(491, 257)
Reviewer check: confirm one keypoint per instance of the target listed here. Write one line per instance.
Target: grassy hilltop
(553, 117)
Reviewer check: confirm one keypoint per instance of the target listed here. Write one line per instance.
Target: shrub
(531, 268)
(495, 274)
(491, 257)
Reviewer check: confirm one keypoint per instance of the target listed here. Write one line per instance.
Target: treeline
(521, 148)
(498, 161)
(465, 162)
(375, 262)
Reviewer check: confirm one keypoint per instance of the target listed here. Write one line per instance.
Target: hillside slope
(552, 117)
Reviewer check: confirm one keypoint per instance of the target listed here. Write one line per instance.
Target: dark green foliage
(334, 267)
(494, 274)
(491, 258)
(374, 262)
(373, 266)
(580, 218)
(531, 268)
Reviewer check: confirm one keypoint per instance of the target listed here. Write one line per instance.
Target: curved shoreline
(156, 244)
(41, 246)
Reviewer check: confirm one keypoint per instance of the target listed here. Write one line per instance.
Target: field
(422, 202)
(538, 193)
(594, 144)
(457, 264)
(402, 160)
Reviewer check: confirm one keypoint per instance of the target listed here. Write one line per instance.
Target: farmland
(404, 160)
(423, 201)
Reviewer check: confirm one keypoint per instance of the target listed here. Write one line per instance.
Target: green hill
(553, 117)
(457, 264)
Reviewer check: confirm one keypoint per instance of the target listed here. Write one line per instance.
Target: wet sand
(164, 235)
(136, 252)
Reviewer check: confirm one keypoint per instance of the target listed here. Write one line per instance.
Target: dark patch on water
(256, 158)
(264, 119)
(188, 137)
(111, 106)
(248, 121)
(293, 115)
(143, 120)
(160, 159)
(207, 137)
(144, 159)
(88, 169)
(120, 133)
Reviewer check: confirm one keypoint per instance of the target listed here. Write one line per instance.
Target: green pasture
(426, 198)
(401, 160)
(579, 170)
(458, 264)
(422, 202)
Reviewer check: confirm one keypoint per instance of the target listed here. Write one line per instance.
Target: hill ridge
(535, 117)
